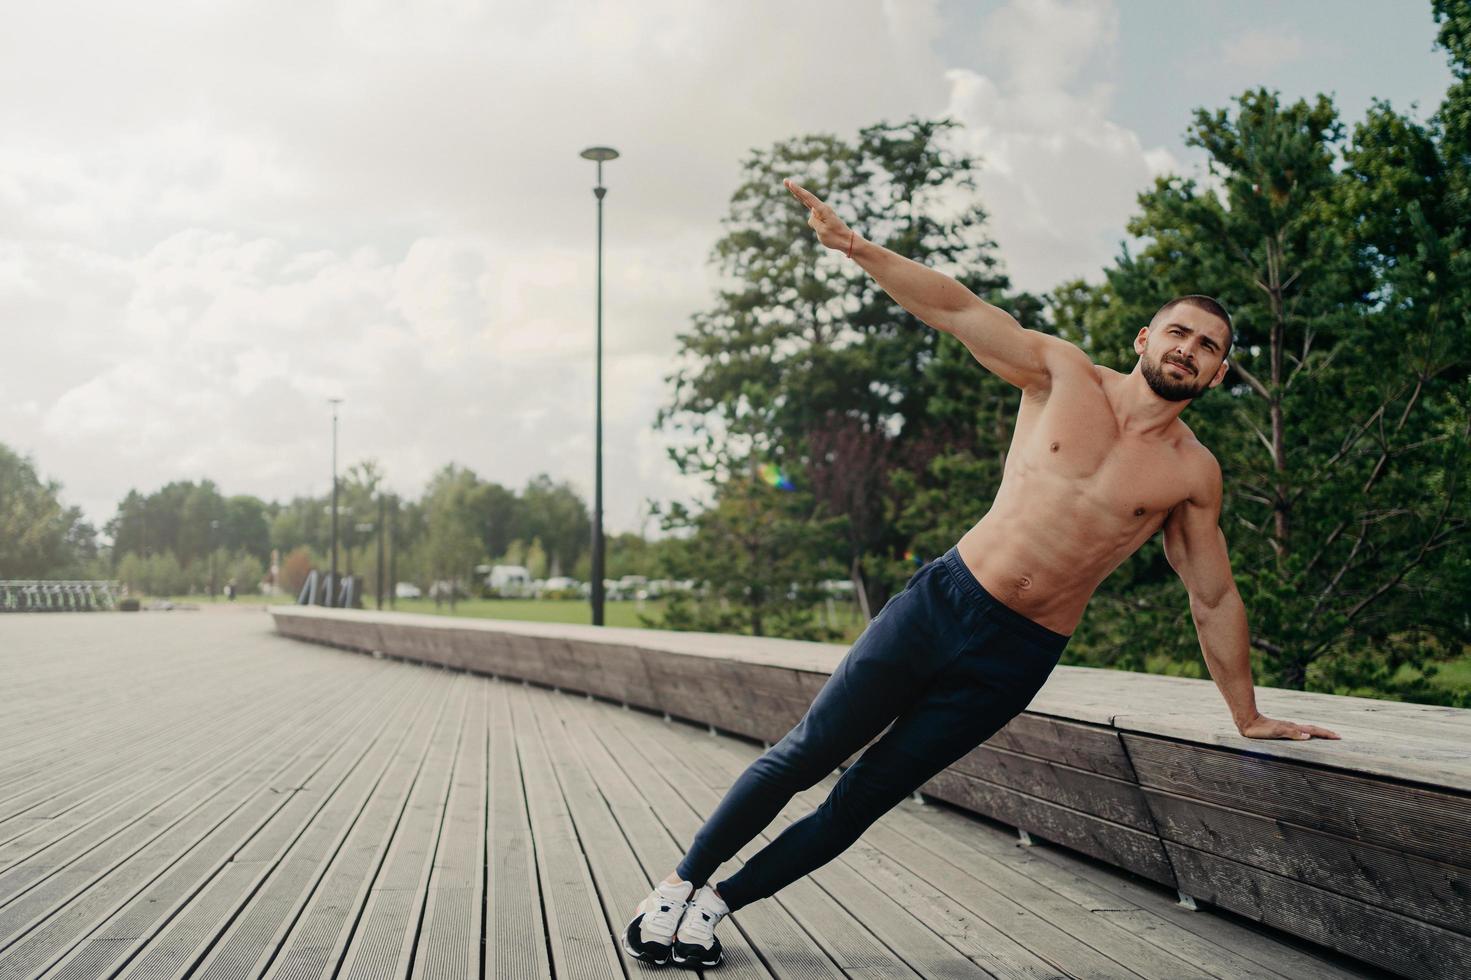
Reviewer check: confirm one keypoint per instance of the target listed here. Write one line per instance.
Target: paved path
(189, 795)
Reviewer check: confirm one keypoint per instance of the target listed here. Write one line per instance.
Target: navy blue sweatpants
(944, 662)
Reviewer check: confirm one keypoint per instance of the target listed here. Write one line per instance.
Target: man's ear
(1141, 340)
(1220, 373)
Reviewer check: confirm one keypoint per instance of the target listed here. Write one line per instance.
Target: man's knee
(861, 797)
(795, 763)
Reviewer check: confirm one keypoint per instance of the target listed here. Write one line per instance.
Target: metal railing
(57, 596)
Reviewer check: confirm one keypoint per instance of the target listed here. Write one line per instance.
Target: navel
(1024, 582)
(1138, 511)
(1054, 446)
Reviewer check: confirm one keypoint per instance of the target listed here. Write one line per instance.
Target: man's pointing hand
(831, 231)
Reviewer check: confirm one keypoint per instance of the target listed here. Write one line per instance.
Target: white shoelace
(664, 917)
(700, 924)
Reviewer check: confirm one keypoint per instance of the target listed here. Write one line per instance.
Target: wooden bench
(1362, 845)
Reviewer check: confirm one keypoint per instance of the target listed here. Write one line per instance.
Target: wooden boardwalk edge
(1103, 783)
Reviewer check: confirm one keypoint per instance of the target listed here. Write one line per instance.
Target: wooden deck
(188, 794)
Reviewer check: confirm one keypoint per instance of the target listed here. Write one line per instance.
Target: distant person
(1099, 462)
(230, 590)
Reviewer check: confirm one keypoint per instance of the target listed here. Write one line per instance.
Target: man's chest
(1077, 448)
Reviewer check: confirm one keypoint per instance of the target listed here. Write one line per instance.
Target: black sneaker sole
(693, 965)
(690, 963)
(653, 958)
(643, 958)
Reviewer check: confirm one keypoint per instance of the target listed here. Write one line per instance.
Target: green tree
(39, 536)
(1339, 413)
(303, 522)
(803, 358)
(751, 557)
(452, 546)
(556, 515)
(536, 559)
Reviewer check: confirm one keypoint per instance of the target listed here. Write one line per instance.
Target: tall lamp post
(599, 154)
(332, 587)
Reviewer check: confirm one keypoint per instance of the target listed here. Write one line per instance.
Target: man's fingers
(1320, 732)
(801, 193)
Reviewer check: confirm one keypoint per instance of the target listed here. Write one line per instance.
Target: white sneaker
(649, 935)
(695, 945)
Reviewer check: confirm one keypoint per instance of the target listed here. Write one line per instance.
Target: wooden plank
(616, 872)
(43, 882)
(1088, 747)
(576, 931)
(63, 826)
(327, 796)
(318, 937)
(79, 732)
(1105, 797)
(383, 941)
(274, 809)
(515, 940)
(449, 943)
(47, 922)
(1430, 823)
(70, 766)
(1148, 910)
(96, 803)
(1123, 846)
(1433, 891)
(1407, 946)
(614, 670)
(253, 936)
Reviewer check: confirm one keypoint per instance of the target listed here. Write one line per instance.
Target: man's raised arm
(1005, 348)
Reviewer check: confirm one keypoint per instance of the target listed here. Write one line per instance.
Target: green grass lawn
(254, 599)
(615, 613)
(620, 613)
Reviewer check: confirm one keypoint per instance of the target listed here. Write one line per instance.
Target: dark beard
(1167, 387)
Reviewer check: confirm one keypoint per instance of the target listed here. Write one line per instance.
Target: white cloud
(1059, 178)
(1262, 51)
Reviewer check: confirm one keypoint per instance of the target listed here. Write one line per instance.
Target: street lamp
(599, 154)
(214, 527)
(332, 582)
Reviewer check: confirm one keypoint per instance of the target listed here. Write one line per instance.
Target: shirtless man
(1099, 462)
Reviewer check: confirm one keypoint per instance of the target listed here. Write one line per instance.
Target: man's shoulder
(1199, 462)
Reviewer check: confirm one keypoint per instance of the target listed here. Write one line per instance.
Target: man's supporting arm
(1225, 644)
(1196, 550)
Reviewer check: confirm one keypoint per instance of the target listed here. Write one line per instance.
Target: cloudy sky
(215, 215)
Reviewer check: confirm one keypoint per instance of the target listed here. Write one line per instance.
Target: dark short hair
(1202, 302)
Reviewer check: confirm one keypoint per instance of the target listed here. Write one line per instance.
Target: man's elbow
(1210, 603)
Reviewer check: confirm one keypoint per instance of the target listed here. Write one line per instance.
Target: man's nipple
(1054, 446)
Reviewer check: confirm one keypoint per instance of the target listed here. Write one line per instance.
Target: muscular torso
(1078, 495)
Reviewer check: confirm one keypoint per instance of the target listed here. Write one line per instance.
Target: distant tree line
(189, 538)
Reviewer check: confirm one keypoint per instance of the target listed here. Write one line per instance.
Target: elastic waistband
(969, 584)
